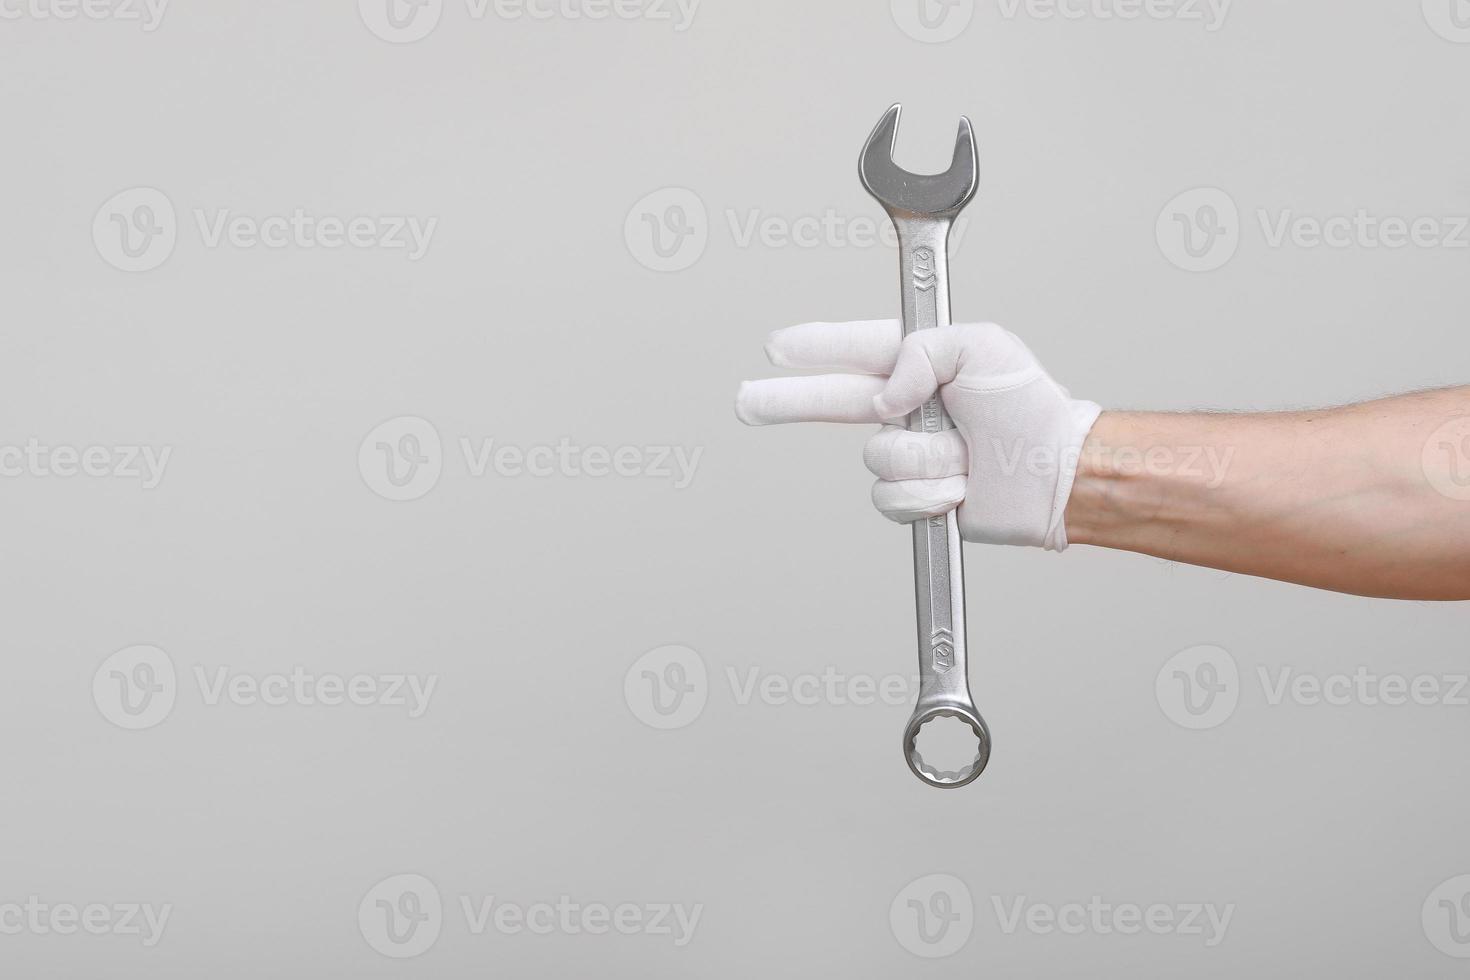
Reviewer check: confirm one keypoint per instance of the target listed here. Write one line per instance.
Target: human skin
(1371, 499)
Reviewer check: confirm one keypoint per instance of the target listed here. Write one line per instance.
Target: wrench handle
(939, 577)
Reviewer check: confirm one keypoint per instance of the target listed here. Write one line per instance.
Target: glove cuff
(1082, 416)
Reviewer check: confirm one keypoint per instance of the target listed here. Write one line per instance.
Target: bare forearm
(1372, 499)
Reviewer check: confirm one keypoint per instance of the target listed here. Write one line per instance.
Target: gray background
(531, 319)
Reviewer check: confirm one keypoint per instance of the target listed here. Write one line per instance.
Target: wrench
(922, 208)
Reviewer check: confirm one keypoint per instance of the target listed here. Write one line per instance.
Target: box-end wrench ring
(923, 208)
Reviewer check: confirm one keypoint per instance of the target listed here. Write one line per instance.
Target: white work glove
(1008, 464)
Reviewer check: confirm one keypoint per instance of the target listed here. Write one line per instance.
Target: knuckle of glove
(895, 454)
(878, 450)
(906, 501)
(992, 353)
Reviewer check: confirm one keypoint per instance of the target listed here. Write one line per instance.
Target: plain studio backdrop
(352, 347)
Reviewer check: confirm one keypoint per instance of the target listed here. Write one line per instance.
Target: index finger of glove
(860, 346)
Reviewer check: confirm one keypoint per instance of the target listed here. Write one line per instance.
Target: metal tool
(922, 208)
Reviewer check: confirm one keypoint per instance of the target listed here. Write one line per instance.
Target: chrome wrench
(923, 208)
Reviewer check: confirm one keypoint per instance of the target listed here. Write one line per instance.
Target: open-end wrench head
(925, 194)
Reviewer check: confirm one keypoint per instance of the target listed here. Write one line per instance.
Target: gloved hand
(1008, 464)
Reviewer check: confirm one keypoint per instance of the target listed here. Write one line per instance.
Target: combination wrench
(923, 208)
